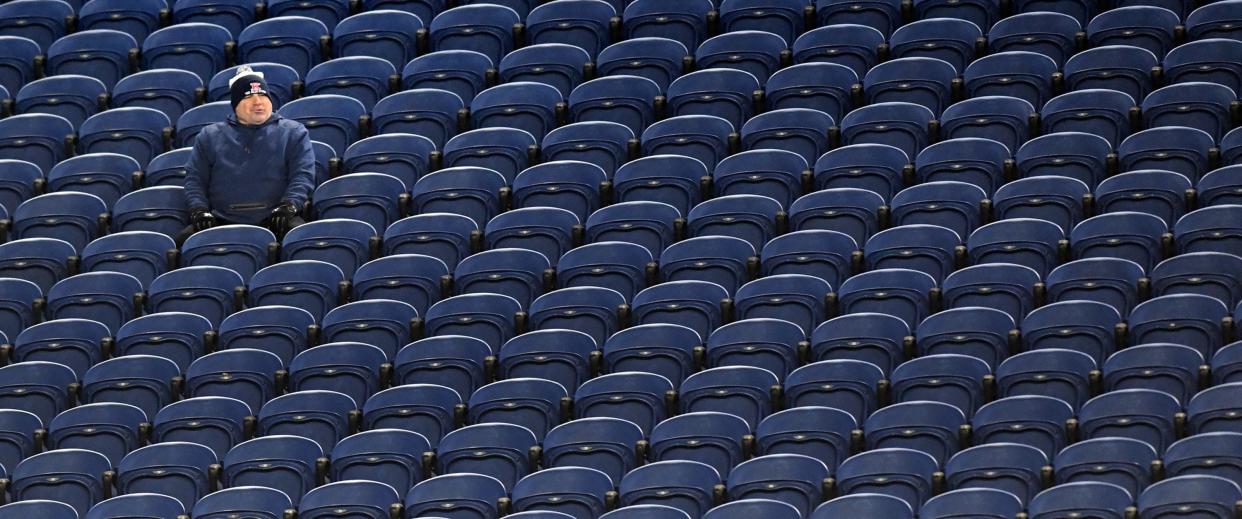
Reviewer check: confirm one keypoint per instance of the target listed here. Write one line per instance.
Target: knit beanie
(242, 86)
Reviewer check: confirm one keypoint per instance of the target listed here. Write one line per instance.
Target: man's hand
(202, 218)
(279, 220)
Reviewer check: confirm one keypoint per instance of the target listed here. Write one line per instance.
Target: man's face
(254, 109)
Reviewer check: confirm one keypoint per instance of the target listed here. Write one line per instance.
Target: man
(254, 168)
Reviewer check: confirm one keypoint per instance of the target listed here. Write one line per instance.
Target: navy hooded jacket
(242, 172)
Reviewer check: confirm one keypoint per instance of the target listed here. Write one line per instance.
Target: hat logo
(256, 88)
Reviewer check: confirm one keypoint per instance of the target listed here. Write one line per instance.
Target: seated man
(254, 168)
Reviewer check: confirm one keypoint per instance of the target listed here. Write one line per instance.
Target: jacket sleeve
(198, 174)
(300, 168)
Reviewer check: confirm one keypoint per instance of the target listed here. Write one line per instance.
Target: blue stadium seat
(685, 22)
(619, 266)
(930, 249)
(1006, 287)
(775, 174)
(713, 438)
(754, 51)
(38, 387)
(1033, 243)
(981, 332)
(653, 225)
(1215, 22)
(658, 59)
(596, 311)
(827, 255)
(558, 65)
(571, 185)
(462, 72)
(795, 298)
(72, 96)
(1204, 453)
(743, 391)
(389, 456)
(281, 330)
(532, 107)
(605, 444)
(42, 22)
(414, 279)
(176, 336)
(1037, 421)
(1048, 33)
(920, 80)
(998, 118)
(819, 432)
(43, 261)
(702, 137)
(623, 99)
(207, 291)
(280, 462)
(1160, 193)
(1122, 68)
(402, 155)
(199, 48)
(373, 199)
(688, 486)
(1212, 410)
(906, 126)
(1106, 113)
(103, 54)
(848, 44)
(653, 347)
(1220, 186)
(471, 495)
(109, 429)
(350, 368)
(874, 167)
(1179, 149)
(587, 24)
(503, 149)
(142, 254)
(137, 19)
(70, 476)
(924, 426)
(997, 504)
(782, 18)
(1138, 237)
(529, 402)
(752, 507)
(864, 503)
(329, 12)
(21, 306)
(1204, 106)
(902, 293)
(73, 342)
(20, 433)
(444, 236)
(1081, 156)
(845, 384)
(469, 191)
(722, 260)
(1084, 326)
(427, 409)
(362, 498)
(484, 28)
(824, 87)
(506, 451)
(695, 305)
(108, 298)
(1205, 60)
(1002, 466)
(1203, 493)
(310, 284)
(1144, 26)
(20, 180)
(882, 15)
(168, 90)
(871, 337)
(388, 34)
(156, 505)
(167, 169)
(1113, 281)
(296, 41)
(1195, 320)
(562, 356)
(517, 273)
(424, 9)
(1057, 373)
(1211, 274)
(796, 130)
(318, 415)
(637, 397)
(582, 491)
(104, 175)
(982, 13)
(1103, 499)
(364, 78)
(950, 378)
(1141, 414)
(851, 211)
(902, 473)
(233, 15)
(1057, 199)
(726, 93)
(1224, 365)
(180, 470)
(605, 144)
(953, 40)
(263, 502)
(453, 361)
(1022, 74)
(198, 118)
(487, 316)
(753, 218)
(330, 118)
(982, 162)
(142, 381)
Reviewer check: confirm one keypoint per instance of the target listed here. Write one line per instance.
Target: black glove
(202, 218)
(279, 220)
